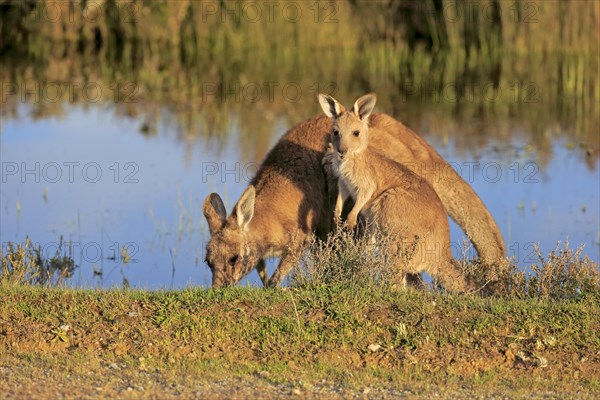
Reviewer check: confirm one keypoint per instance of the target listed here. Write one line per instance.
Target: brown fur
(291, 200)
(389, 196)
(290, 204)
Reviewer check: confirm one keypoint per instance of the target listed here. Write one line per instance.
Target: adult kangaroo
(290, 198)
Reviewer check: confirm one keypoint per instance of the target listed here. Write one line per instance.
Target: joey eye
(356, 133)
(336, 132)
(233, 260)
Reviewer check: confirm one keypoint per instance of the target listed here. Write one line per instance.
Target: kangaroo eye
(233, 260)
(356, 133)
(336, 132)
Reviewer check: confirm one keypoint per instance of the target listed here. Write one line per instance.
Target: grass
(344, 260)
(340, 336)
(25, 264)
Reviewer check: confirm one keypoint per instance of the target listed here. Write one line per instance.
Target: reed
(211, 66)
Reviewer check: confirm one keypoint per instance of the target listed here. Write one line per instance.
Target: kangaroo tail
(466, 208)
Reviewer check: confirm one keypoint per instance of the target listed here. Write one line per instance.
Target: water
(125, 118)
(94, 178)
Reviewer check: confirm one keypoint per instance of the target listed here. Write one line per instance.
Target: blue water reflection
(93, 178)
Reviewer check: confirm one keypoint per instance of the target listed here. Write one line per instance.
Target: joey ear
(244, 209)
(363, 107)
(331, 107)
(214, 212)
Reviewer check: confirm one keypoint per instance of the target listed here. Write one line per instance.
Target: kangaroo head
(230, 253)
(349, 131)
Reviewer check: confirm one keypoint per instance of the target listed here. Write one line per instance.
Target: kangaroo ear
(331, 107)
(244, 209)
(363, 107)
(214, 212)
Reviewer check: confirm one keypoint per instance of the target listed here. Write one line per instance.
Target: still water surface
(93, 178)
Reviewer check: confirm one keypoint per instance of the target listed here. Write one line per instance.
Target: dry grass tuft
(343, 259)
(24, 264)
(563, 274)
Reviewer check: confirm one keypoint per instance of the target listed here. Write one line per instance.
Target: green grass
(342, 325)
(424, 339)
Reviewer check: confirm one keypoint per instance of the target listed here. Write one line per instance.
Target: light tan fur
(396, 141)
(293, 197)
(389, 196)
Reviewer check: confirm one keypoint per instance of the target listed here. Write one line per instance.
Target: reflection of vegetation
(512, 66)
(25, 264)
